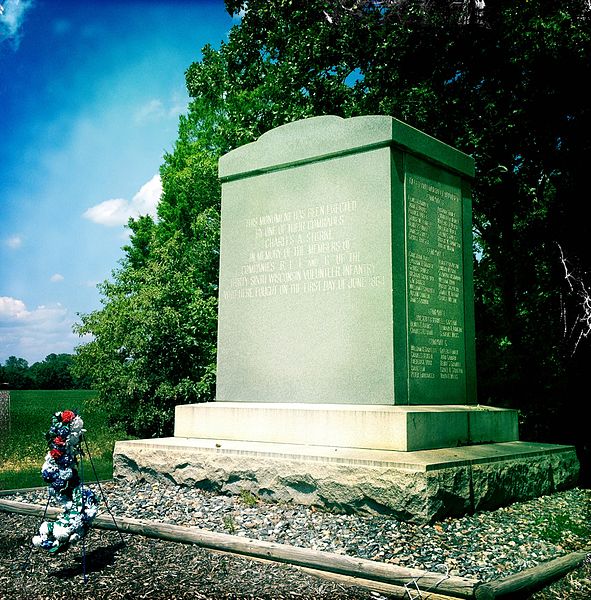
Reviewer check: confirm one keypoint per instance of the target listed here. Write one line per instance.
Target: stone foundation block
(420, 486)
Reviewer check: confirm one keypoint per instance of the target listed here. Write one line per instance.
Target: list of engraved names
(436, 304)
(302, 251)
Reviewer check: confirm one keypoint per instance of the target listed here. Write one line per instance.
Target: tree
(153, 340)
(498, 80)
(53, 373)
(16, 373)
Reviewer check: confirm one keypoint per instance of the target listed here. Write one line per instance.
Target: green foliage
(560, 527)
(52, 373)
(23, 450)
(153, 342)
(15, 373)
(230, 524)
(248, 498)
(154, 339)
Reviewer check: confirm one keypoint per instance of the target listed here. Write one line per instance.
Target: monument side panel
(469, 320)
(399, 279)
(305, 307)
(435, 224)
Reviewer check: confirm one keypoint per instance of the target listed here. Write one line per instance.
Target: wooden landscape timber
(398, 582)
(387, 589)
(527, 581)
(444, 586)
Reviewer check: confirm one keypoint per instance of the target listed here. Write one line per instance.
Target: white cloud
(157, 110)
(14, 242)
(178, 105)
(12, 16)
(117, 211)
(151, 111)
(56, 278)
(33, 334)
(110, 212)
(11, 308)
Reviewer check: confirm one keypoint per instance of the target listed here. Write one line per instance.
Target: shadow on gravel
(12, 543)
(95, 561)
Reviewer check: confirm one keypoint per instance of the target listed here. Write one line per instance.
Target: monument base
(419, 486)
(377, 427)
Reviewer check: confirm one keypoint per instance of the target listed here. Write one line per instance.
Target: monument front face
(345, 268)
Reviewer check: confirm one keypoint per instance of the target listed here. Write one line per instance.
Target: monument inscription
(302, 251)
(435, 280)
(342, 266)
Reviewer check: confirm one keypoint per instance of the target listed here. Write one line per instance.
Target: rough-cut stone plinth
(403, 428)
(417, 486)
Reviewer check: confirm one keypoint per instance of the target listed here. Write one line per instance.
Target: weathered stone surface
(4, 408)
(415, 486)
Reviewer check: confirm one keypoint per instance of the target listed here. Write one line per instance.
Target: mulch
(146, 568)
(132, 566)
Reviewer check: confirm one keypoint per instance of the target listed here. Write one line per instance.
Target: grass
(248, 498)
(23, 449)
(556, 526)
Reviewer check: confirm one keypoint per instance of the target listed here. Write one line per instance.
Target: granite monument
(346, 362)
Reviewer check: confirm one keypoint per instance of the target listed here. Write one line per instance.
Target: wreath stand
(103, 496)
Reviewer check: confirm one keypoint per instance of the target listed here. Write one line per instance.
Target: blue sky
(90, 95)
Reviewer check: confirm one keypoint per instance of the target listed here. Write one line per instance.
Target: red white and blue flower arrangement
(60, 472)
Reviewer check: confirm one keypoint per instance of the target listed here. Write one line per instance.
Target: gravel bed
(483, 546)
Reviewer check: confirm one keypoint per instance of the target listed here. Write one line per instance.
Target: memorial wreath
(60, 472)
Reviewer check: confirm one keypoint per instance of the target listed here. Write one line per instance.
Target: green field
(23, 449)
